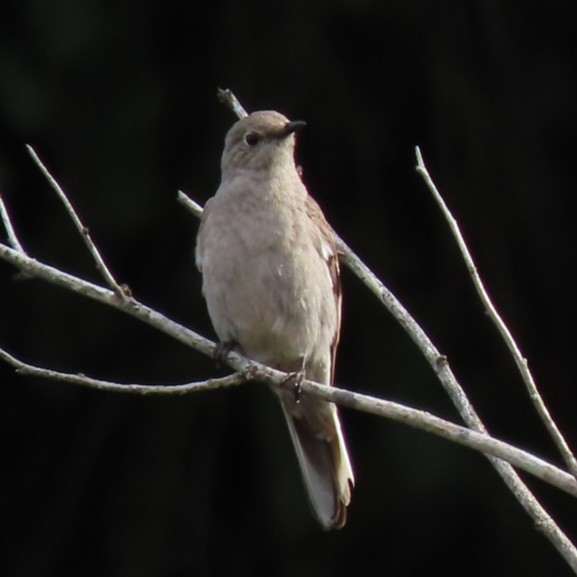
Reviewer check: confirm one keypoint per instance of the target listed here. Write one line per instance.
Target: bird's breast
(266, 284)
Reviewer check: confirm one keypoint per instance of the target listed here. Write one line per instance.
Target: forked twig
(520, 361)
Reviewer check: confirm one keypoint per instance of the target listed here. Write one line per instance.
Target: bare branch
(84, 232)
(12, 238)
(85, 381)
(520, 361)
(190, 204)
(407, 415)
(425, 421)
(93, 291)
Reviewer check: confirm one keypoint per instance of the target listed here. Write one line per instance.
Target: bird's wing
(329, 253)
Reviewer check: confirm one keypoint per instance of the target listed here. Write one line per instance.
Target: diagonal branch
(190, 204)
(84, 231)
(106, 296)
(520, 361)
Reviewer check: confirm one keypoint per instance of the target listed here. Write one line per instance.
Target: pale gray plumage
(271, 282)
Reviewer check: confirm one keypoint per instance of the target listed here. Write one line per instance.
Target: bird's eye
(251, 139)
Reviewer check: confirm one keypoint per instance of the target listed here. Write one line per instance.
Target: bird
(271, 281)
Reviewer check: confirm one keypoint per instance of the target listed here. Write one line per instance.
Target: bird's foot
(221, 352)
(295, 381)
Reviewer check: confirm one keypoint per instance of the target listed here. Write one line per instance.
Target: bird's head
(261, 141)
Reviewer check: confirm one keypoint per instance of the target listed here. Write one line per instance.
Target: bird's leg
(295, 380)
(221, 351)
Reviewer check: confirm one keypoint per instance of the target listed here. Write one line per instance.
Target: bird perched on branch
(271, 282)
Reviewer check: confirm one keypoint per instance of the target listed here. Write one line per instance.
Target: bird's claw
(295, 380)
(221, 352)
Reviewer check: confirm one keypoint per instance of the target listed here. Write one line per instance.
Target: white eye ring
(252, 139)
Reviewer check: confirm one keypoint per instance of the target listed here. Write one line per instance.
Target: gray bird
(271, 282)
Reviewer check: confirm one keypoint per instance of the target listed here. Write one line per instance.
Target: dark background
(119, 99)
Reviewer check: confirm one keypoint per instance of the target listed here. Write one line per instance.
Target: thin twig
(415, 418)
(84, 232)
(520, 361)
(231, 101)
(12, 238)
(190, 204)
(85, 381)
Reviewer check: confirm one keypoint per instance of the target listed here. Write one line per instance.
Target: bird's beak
(292, 127)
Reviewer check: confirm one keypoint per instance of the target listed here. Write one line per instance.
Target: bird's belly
(276, 307)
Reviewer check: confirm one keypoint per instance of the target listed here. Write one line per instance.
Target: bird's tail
(324, 461)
